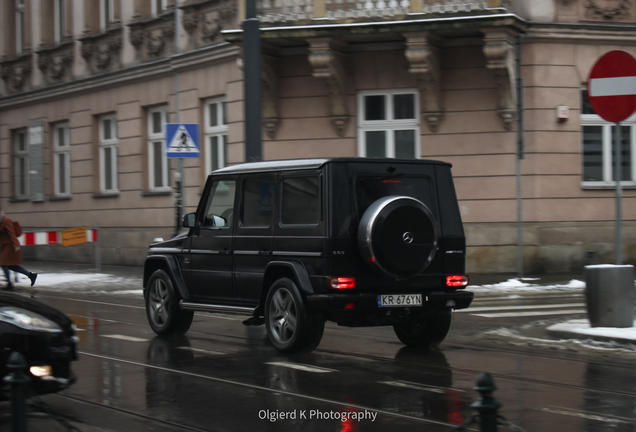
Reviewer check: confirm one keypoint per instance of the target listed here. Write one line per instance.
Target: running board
(217, 308)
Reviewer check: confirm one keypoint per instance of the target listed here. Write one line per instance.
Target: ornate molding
(619, 11)
(56, 62)
(423, 59)
(102, 51)
(137, 37)
(152, 38)
(15, 72)
(190, 20)
(328, 64)
(499, 48)
(205, 20)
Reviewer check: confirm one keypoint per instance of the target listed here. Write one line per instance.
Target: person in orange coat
(11, 255)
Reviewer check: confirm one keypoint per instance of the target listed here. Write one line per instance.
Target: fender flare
(299, 271)
(170, 266)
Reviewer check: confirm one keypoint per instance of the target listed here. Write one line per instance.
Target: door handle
(225, 252)
(264, 252)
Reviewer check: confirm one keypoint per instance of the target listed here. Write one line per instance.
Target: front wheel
(290, 326)
(428, 331)
(162, 306)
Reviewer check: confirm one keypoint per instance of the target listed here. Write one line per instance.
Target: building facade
(88, 86)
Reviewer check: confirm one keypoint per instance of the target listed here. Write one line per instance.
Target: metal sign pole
(619, 192)
(179, 175)
(520, 154)
(252, 77)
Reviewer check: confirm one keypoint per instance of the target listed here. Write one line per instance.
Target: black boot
(9, 287)
(33, 277)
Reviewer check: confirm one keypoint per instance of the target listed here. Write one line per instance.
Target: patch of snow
(526, 285)
(582, 327)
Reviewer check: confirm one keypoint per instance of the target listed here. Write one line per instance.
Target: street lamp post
(252, 76)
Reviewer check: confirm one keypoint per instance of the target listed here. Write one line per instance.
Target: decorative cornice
(153, 34)
(499, 46)
(619, 11)
(423, 59)
(328, 64)
(15, 72)
(101, 51)
(581, 33)
(190, 20)
(204, 21)
(108, 79)
(56, 61)
(137, 36)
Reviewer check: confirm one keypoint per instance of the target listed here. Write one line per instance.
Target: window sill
(21, 199)
(60, 198)
(106, 195)
(157, 193)
(607, 186)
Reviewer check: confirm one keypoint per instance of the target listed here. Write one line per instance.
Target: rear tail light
(457, 281)
(342, 282)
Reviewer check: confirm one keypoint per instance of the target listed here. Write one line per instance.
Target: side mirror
(188, 220)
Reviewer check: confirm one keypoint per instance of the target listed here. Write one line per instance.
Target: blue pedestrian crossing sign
(182, 140)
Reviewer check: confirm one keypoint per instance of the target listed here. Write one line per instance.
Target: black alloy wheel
(290, 326)
(162, 306)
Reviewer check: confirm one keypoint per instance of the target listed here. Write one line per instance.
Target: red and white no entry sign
(611, 86)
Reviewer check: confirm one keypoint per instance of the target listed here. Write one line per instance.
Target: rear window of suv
(371, 188)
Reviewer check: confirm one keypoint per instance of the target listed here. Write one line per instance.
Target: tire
(290, 326)
(428, 332)
(162, 306)
(397, 236)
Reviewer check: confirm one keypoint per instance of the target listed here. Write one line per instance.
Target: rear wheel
(162, 306)
(429, 331)
(290, 326)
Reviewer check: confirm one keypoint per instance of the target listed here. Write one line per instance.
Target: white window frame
(388, 125)
(60, 20)
(21, 153)
(62, 159)
(20, 24)
(108, 143)
(153, 7)
(106, 14)
(155, 137)
(218, 131)
(608, 181)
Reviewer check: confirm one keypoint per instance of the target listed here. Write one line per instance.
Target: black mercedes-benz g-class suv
(361, 242)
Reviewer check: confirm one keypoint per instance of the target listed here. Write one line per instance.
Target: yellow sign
(74, 236)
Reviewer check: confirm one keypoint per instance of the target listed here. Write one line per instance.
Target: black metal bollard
(487, 406)
(18, 380)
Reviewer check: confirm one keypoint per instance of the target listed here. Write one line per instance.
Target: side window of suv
(258, 201)
(220, 207)
(301, 201)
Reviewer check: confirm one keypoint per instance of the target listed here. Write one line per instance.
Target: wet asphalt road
(223, 376)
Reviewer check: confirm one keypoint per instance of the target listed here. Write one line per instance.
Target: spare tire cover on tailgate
(397, 236)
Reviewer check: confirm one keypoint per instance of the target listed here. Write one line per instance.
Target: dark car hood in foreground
(21, 301)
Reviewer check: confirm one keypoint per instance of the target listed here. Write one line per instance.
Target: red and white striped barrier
(51, 237)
